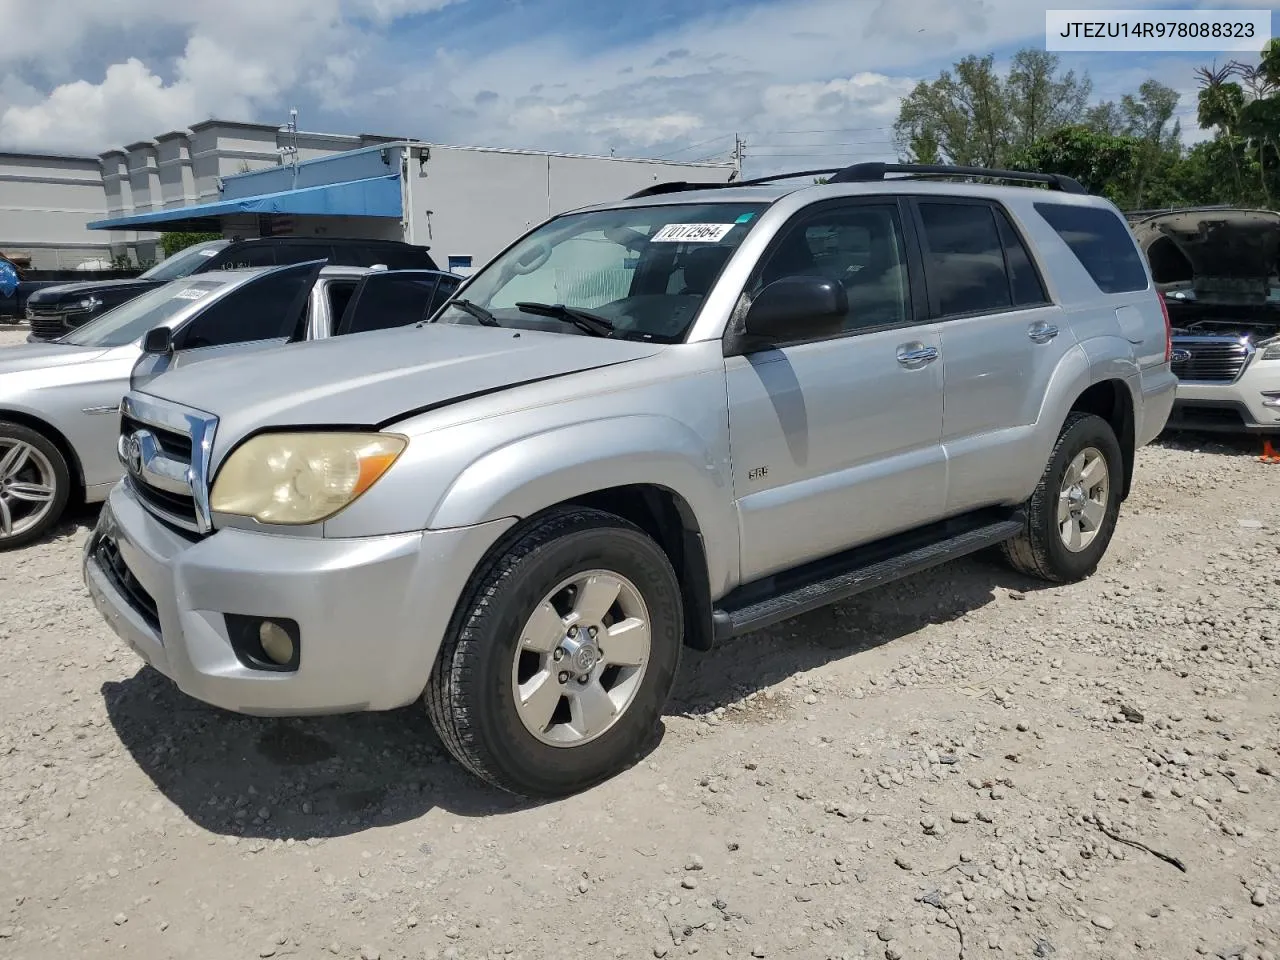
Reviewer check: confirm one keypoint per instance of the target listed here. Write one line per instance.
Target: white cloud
(239, 58)
(833, 69)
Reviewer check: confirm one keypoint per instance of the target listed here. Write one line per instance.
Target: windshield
(184, 262)
(131, 321)
(646, 270)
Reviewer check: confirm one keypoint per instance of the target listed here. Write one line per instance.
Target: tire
(1041, 549)
(471, 696)
(40, 467)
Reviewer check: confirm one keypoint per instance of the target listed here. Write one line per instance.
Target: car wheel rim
(1083, 499)
(27, 487)
(581, 657)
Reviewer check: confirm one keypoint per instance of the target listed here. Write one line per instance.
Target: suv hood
(51, 296)
(377, 378)
(1229, 254)
(1218, 268)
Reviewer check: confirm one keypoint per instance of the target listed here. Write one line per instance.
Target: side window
(250, 255)
(1028, 290)
(395, 256)
(339, 293)
(347, 254)
(964, 259)
(1101, 242)
(444, 290)
(388, 301)
(861, 246)
(291, 253)
(262, 309)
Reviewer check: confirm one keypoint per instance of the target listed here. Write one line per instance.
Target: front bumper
(371, 612)
(1249, 405)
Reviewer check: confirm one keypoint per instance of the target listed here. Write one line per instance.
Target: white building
(46, 200)
(249, 179)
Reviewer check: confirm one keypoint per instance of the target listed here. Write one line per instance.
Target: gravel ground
(964, 764)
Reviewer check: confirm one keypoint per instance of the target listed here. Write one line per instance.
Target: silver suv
(659, 422)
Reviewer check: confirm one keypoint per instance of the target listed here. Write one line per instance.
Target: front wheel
(561, 655)
(1072, 514)
(35, 485)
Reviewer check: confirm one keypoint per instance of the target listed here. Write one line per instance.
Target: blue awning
(375, 197)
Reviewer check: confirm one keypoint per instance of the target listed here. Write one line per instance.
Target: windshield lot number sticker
(191, 293)
(691, 233)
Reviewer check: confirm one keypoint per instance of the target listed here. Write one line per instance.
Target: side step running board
(858, 571)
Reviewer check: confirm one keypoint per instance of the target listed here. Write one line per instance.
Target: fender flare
(1087, 363)
(538, 471)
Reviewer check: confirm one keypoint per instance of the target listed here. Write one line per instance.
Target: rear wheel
(561, 656)
(35, 484)
(1072, 514)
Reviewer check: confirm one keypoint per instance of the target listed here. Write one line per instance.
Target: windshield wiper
(584, 320)
(486, 318)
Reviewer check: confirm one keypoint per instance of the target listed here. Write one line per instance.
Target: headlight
(1272, 351)
(298, 478)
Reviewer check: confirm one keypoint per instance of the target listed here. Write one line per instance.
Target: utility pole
(739, 152)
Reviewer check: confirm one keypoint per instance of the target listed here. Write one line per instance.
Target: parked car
(1219, 271)
(53, 311)
(59, 401)
(662, 421)
(13, 307)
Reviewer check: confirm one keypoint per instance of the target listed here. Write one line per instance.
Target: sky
(805, 83)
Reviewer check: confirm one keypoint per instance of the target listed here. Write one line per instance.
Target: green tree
(923, 149)
(171, 243)
(972, 116)
(1104, 163)
(1149, 119)
(1039, 99)
(1106, 118)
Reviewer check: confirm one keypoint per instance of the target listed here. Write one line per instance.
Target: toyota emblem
(133, 454)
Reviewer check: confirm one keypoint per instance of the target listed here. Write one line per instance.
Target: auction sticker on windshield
(691, 233)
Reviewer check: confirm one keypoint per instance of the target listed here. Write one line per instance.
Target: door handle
(1042, 332)
(916, 354)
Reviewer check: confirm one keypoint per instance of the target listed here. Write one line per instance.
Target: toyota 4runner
(658, 422)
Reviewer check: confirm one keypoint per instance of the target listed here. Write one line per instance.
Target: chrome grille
(165, 452)
(1210, 359)
(47, 325)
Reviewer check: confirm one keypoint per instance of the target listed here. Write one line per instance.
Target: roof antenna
(290, 149)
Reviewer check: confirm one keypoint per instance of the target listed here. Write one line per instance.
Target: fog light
(265, 643)
(276, 642)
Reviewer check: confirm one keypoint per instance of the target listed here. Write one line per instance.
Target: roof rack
(868, 172)
(862, 172)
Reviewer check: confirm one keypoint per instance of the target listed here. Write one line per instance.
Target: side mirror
(797, 308)
(158, 340)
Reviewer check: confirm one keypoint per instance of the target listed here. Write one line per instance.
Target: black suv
(54, 311)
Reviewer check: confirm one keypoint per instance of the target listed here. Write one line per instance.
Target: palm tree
(1218, 106)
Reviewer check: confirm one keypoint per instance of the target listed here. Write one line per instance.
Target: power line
(836, 153)
(826, 130)
(694, 146)
(824, 143)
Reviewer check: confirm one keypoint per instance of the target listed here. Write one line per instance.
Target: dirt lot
(966, 764)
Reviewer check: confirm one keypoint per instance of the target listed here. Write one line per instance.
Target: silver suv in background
(658, 422)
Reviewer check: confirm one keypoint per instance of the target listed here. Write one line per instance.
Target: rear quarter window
(1102, 242)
